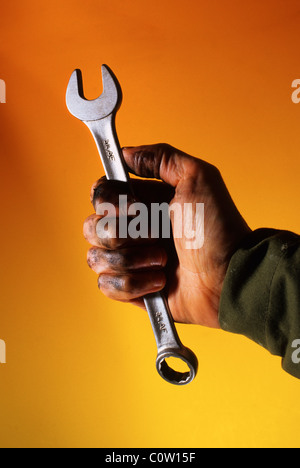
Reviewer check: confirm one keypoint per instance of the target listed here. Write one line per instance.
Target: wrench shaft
(162, 323)
(105, 136)
(166, 336)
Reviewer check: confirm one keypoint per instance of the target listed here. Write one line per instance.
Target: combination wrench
(99, 116)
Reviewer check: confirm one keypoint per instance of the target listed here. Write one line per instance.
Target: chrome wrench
(99, 116)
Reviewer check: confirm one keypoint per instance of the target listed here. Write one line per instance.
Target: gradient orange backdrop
(210, 77)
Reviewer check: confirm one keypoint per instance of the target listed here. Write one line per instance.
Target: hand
(131, 268)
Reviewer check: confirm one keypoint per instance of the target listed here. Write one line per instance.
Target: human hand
(130, 268)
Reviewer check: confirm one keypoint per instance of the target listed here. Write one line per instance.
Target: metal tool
(99, 115)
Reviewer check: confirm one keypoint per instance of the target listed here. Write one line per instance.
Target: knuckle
(128, 284)
(110, 243)
(109, 284)
(109, 191)
(165, 151)
(103, 282)
(106, 261)
(95, 186)
(212, 174)
(217, 172)
(116, 260)
(165, 148)
(89, 227)
(93, 257)
(106, 233)
(113, 284)
(115, 243)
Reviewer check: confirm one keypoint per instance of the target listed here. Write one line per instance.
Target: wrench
(99, 116)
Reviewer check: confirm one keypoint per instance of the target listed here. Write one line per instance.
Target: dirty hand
(131, 268)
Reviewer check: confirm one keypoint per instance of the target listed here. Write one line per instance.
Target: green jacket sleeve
(261, 294)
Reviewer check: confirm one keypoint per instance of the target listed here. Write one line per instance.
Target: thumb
(160, 161)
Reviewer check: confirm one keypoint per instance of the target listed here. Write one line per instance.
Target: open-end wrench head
(97, 109)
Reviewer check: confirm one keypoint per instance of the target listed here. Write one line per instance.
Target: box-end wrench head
(99, 116)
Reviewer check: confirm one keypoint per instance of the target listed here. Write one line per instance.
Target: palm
(195, 276)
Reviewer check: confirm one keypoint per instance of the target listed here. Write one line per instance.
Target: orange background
(212, 78)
